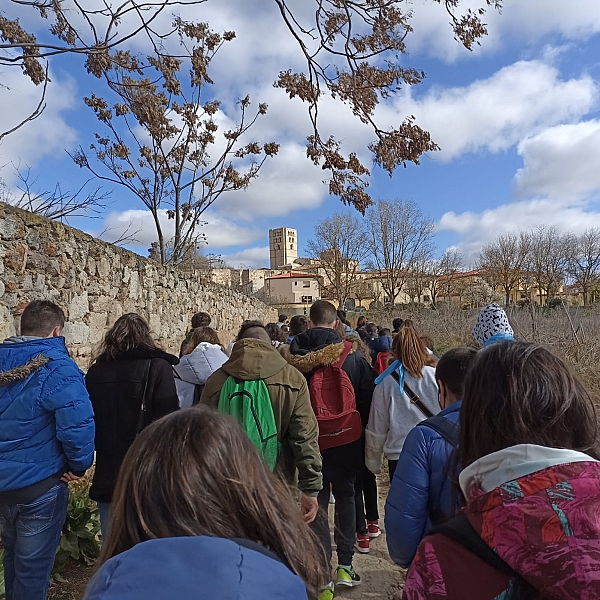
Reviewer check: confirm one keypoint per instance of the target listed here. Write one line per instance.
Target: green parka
(296, 422)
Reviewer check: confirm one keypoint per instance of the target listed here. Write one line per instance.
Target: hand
(69, 477)
(309, 507)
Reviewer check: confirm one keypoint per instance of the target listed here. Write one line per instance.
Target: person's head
(362, 320)
(201, 334)
(323, 314)
(407, 348)
(451, 372)
(255, 330)
(371, 328)
(42, 318)
(196, 473)
(128, 332)
(298, 324)
(385, 332)
(520, 393)
(274, 332)
(492, 325)
(427, 342)
(397, 323)
(283, 318)
(341, 314)
(201, 319)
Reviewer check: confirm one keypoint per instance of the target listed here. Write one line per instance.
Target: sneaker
(362, 543)
(347, 576)
(373, 527)
(326, 593)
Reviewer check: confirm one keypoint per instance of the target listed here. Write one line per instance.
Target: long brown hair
(408, 349)
(520, 393)
(128, 332)
(201, 334)
(195, 472)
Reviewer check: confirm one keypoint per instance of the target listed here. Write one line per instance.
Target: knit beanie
(492, 322)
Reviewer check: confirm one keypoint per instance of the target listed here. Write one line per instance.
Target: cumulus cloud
(253, 258)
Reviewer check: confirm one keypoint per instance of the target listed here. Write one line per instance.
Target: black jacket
(116, 389)
(319, 347)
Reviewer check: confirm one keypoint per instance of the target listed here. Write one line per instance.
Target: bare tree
(548, 261)
(339, 245)
(353, 52)
(173, 165)
(504, 260)
(419, 278)
(54, 203)
(444, 273)
(584, 262)
(397, 235)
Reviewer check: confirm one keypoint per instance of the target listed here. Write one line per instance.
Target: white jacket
(195, 368)
(393, 415)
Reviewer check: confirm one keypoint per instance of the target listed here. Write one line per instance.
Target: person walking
(46, 440)
(326, 360)
(198, 516)
(131, 384)
(406, 394)
(200, 359)
(529, 449)
(200, 319)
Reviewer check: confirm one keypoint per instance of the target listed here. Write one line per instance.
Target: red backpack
(382, 362)
(333, 400)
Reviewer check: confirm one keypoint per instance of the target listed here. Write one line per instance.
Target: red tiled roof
(293, 276)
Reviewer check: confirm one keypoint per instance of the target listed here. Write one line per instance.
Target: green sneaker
(327, 593)
(347, 576)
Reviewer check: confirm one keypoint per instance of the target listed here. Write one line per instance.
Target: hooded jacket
(321, 347)
(380, 344)
(194, 568)
(116, 389)
(296, 423)
(539, 509)
(195, 368)
(492, 326)
(46, 419)
(421, 490)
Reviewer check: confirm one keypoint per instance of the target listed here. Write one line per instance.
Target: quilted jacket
(421, 491)
(46, 418)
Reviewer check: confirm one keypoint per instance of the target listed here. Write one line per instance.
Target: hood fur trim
(306, 363)
(23, 371)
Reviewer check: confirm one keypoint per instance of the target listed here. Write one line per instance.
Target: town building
(292, 288)
(283, 247)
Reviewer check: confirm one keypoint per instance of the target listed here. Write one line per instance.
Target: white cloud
(47, 134)
(496, 113)
(253, 258)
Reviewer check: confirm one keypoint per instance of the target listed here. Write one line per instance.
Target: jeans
(104, 510)
(30, 534)
(345, 520)
(366, 484)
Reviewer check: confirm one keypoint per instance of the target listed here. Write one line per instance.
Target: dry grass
(573, 333)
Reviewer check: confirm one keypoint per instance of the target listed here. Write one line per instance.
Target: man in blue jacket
(422, 493)
(46, 440)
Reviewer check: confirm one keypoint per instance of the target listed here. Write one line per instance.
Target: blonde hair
(408, 349)
(201, 334)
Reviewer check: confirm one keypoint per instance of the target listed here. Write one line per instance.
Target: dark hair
(371, 328)
(298, 324)
(407, 348)
(362, 320)
(427, 342)
(248, 325)
(273, 331)
(201, 334)
(40, 317)
(323, 313)
(452, 369)
(201, 319)
(196, 473)
(520, 393)
(283, 318)
(397, 323)
(128, 332)
(341, 315)
(385, 332)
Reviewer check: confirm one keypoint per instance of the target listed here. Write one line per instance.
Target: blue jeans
(104, 510)
(30, 534)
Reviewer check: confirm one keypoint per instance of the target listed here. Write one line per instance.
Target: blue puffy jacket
(380, 344)
(421, 488)
(46, 417)
(194, 568)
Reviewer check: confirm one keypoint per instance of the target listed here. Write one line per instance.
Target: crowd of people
(215, 471)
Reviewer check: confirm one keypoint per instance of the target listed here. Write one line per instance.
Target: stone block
(76, 333)
(79, 307)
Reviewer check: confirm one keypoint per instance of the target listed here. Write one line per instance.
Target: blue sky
(517, 120)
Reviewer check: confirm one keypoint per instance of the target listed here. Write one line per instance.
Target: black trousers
(392, 464)
(365, 498)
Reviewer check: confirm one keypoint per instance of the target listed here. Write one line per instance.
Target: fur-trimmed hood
(23, 371)
(306, 363)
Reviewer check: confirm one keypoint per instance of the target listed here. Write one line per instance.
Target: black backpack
(446, 428)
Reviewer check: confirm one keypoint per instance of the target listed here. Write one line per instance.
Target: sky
(517, 121)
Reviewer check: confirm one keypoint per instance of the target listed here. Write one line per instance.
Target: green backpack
(249, 402)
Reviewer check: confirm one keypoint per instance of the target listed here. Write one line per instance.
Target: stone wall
(95, 283)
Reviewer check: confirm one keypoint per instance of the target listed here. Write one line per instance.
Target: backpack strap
(446, 428)
(143, 407)
(344, 355)
(460, 530)
(198, 389)
(413, 397)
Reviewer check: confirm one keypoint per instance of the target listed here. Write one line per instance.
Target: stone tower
(283, 247)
